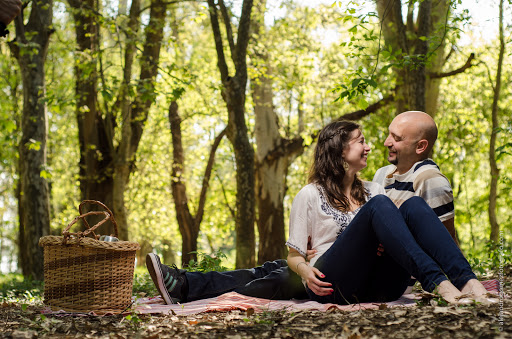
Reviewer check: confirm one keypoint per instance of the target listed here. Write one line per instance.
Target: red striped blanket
(234, 301)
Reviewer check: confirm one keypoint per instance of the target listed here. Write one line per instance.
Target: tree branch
(288, 147)
(231, 210)
(243, 37)
(221, 60)
(467, 65)
(450, 53)
(359, 114)
(229, 30)
(207, 175)
(410, 16)
(401, 28)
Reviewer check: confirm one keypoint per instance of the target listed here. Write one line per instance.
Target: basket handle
(112, 219)
(66, 234)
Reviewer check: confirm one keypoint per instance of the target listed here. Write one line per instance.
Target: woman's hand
(380, 250)
(316, 285)
(308, 273)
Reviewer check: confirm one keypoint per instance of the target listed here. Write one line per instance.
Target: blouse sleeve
(300, 225)
(374, 188)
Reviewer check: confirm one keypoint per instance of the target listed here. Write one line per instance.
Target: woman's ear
(421, 146)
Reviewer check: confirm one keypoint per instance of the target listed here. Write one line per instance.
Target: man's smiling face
(401, 143)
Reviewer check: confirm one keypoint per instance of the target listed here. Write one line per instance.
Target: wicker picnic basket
(83, 274)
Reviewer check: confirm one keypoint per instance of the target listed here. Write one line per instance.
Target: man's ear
(421, 146)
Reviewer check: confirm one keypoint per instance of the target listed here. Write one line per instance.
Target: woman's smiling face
(356, 154)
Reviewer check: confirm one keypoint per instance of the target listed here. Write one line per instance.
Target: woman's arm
(309, 273)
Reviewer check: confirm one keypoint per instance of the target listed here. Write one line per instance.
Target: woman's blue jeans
(415, 243)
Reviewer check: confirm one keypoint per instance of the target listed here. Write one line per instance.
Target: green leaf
(372, 83)
(356, 82)
(45, 174)
(107, 96)
(33, 145)
(362, 103)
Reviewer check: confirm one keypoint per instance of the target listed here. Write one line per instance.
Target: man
(411, 138)
(9, 9)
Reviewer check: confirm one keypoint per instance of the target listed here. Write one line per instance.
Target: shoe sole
(153, 266)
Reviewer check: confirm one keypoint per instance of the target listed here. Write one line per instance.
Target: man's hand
(310, 253)
(9, 9)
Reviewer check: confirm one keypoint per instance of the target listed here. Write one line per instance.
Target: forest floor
(430, 319)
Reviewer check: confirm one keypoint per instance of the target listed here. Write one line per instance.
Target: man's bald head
(419, 125)
(411, 137)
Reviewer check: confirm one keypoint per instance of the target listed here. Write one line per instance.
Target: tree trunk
(136, 113)
(105, 171)
(495, 172)
(188, 229)
(31, 47)
(245, 178)
(96, 182)
(188, 223)
(271, 157)
(415, 90)
(440, 11)
(234, 96)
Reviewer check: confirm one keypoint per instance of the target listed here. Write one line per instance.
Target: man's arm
(450, 226)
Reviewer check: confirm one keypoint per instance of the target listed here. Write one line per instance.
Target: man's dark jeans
(415, 243)
(273, 280)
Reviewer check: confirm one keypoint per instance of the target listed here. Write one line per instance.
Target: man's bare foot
(451, 294)
(487, 300)
(475, 288)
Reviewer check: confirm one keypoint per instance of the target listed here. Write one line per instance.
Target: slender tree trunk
(495, 172)
(237, 132)
(245, 178)
(188, 223)
(188, 229)
(30, 49)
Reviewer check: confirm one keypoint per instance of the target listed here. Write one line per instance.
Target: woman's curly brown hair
(328, 165)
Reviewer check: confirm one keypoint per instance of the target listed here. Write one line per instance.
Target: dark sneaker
(169, 281)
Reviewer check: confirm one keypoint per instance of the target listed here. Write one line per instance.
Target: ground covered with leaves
(431, 318)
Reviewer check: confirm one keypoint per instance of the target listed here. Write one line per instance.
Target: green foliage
(506, 148)
(304, 68)
(15, 288)
(136, 322)
(491, 259)
(142, 284)
(357, 89)
(207, 263)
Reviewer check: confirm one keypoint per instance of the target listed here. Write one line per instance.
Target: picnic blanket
(235, 301)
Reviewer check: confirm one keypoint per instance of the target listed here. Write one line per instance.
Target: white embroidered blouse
(313, 216)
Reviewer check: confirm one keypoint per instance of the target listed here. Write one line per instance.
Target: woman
(350, 221)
